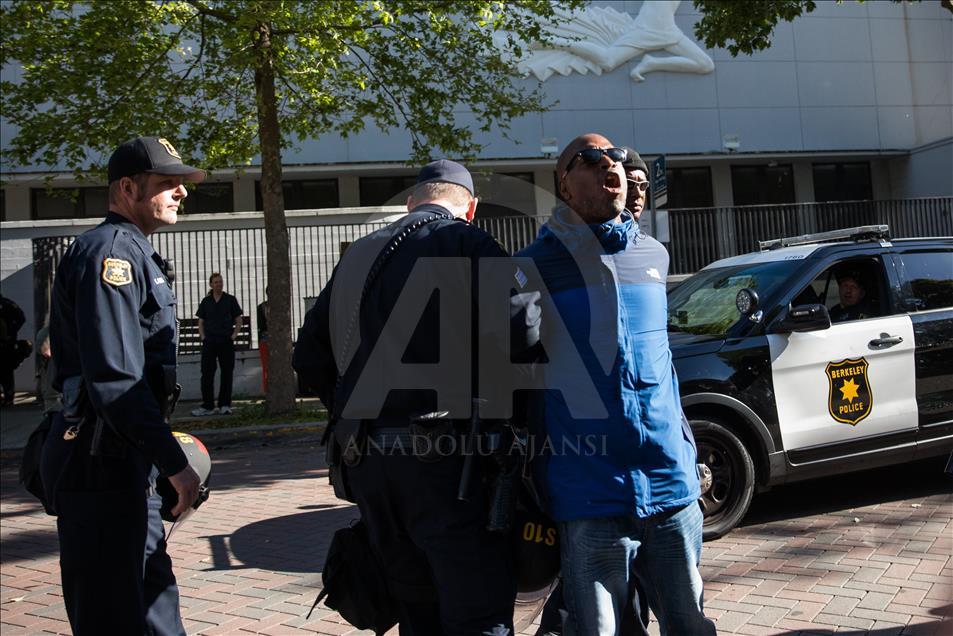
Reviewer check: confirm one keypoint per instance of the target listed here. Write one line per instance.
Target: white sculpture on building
(599, 39)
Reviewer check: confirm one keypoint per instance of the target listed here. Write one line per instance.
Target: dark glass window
(68, 203)
(930, 278)
(386, 190)
(3, 204)
(305, 194)
(756, 185)
(209, 198)
(689, 188)
(842, 181)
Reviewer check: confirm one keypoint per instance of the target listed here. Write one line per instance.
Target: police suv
(778, 392)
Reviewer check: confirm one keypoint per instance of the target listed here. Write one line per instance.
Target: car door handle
(886, 340)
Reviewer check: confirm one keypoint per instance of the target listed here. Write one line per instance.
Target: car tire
(727, 501)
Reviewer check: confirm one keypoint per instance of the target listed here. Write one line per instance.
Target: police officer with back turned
(402, 301)
(113, 335)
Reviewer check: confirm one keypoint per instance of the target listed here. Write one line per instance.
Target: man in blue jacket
(621, 478)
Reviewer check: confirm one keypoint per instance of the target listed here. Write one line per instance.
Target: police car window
(930, 278)
(866, 277)
(705, 303)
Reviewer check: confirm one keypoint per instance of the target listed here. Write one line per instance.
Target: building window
(386, 190)
(209, 198)
(68, 203)
(762, 184)
(3, 204)
(305, 194)
(842, 181)
(689, 188)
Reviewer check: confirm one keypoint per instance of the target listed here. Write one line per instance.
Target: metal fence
(702, 235)
(698, 237)
(240, 256)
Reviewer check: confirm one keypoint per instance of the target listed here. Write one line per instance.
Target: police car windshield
(705, 303)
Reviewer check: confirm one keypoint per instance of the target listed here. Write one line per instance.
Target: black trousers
(448, 574)
(221, 353)
(6, 382)
(116, 574)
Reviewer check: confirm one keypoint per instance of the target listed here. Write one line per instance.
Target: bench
(190, 343)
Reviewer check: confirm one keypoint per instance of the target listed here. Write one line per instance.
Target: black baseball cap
(150, 154)
(446, 171)
(633, 161)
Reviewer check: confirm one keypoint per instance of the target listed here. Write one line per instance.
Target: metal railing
(698, 237)
(702, 235)
(240, 256)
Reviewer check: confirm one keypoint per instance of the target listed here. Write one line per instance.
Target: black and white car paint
(779, 394)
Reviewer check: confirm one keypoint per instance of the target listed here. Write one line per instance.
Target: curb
(263, 435)
(297, 432)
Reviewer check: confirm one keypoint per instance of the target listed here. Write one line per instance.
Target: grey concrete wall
(926, 172)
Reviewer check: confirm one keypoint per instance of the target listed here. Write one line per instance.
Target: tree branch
(198, 58)
(204, 9)
(386, 89)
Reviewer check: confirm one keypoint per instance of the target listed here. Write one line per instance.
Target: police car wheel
(727, 501)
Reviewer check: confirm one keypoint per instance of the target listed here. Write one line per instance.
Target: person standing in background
(220, 322)
(12, 351)
(263, 341)
(637, 180)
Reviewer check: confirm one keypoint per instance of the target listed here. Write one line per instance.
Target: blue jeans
(665, 550)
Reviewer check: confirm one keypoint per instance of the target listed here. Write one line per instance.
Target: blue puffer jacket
(617, 441)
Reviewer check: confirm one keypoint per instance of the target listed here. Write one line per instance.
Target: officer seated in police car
(113, 337)
(853, 302)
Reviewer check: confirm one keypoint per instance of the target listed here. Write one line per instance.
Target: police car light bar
(861, 233)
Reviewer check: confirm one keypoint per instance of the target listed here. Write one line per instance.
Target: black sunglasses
(593, 156)
(641, 185)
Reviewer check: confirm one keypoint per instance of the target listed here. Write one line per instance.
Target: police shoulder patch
(117, 272)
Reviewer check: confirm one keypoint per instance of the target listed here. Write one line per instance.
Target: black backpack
(30, 464)
(354, 582)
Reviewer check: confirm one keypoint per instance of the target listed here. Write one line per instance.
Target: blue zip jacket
(626, 449)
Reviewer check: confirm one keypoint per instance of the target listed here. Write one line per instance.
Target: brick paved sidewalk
(867, 553)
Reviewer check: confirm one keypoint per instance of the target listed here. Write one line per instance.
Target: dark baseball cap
(633, 161)
(445, 171)
(150, 154)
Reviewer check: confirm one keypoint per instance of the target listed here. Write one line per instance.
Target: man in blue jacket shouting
(626, 498)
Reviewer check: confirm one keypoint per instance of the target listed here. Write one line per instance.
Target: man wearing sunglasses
(637, 180)
(630, 508)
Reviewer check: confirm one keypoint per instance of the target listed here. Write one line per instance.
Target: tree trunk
(281, 385)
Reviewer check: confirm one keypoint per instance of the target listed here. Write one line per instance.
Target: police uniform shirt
(112, 322)
(859, 311)
(219, 317)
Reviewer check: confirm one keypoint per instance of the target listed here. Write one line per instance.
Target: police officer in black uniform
(113, 334)
(853, 303)
(407, 351)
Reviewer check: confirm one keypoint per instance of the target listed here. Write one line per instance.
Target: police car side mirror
(813, 317)
(747, 301)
